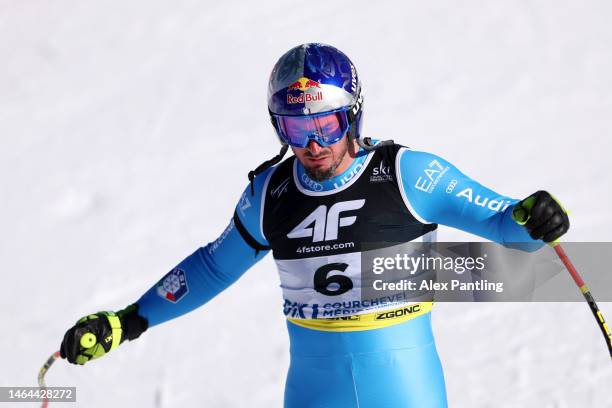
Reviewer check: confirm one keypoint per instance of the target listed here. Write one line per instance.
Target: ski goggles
(324, 128)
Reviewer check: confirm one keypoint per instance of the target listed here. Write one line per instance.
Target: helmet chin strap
(267, 164)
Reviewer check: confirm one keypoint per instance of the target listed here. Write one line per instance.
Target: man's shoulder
(413, 158)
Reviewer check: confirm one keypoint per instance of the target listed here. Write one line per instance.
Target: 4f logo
(323, 224)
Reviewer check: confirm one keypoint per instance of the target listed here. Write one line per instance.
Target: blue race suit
(337, 361)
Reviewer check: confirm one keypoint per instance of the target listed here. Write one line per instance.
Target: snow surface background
(127, 130)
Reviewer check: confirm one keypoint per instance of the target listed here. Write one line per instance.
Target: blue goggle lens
(325, 129)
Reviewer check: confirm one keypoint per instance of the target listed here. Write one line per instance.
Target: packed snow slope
(127, 130)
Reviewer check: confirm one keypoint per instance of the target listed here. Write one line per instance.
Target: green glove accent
(88, 340)
(521, 211)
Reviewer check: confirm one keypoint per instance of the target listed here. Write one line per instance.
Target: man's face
(322, 163)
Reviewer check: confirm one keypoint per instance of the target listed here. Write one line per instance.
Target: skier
(315, 211)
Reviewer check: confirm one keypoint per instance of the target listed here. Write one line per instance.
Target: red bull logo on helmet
(304, 97)
(303, 84)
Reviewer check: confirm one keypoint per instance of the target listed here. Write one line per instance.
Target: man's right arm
(199, 277)
(192, 283)
(213, 268)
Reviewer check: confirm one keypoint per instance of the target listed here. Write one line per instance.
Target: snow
(127, 130)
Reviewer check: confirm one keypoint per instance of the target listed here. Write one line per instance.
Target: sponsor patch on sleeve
(173, 287)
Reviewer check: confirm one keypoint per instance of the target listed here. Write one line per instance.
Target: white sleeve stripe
(400, 182)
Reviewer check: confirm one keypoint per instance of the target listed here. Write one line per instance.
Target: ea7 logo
(326, 223)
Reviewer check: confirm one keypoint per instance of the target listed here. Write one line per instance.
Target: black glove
(543, 216)
(95, 335)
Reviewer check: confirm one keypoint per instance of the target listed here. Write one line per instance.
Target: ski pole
(43, 371)
(521, 215)
(605, 330)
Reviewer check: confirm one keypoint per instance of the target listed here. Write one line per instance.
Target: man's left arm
(437, 192)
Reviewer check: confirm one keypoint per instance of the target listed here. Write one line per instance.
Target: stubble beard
(328, 173)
